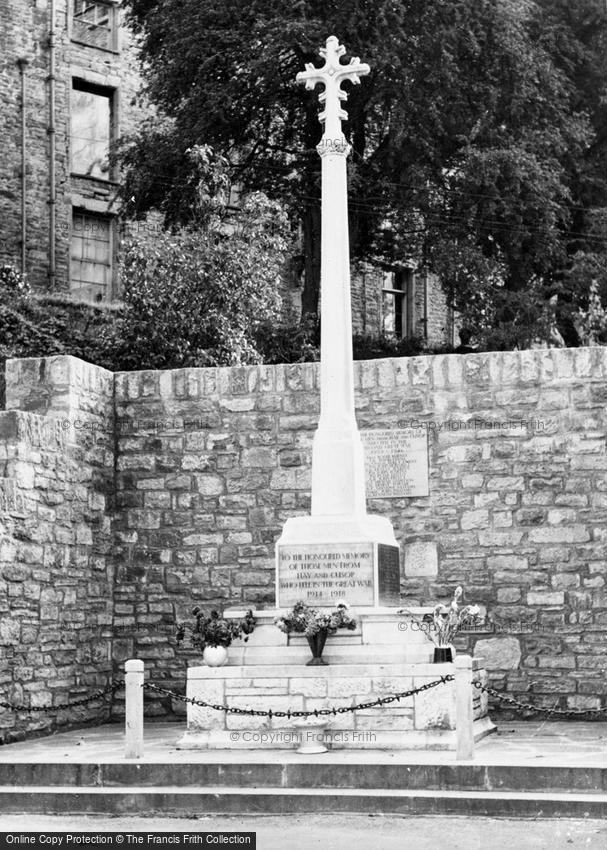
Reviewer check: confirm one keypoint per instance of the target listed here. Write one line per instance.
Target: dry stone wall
(207, 464)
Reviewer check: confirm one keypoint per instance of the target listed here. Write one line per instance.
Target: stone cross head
(332, 74)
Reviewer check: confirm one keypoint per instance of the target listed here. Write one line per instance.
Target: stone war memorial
(339, 552)
(369, 491)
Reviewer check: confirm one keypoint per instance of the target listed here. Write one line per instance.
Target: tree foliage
(197, 297)
(478, 139)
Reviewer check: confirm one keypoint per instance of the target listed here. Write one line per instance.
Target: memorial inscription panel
(325, 574)
(396, 463)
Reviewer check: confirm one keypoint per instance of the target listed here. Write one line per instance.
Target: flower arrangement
(446, 620)
(309, 621)
(213, 630)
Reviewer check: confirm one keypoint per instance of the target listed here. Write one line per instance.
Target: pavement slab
(549, 743)
(343, 832)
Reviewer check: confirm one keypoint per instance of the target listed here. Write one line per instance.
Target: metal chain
(527, 706)
(319, 712)
(289, 713)
(63, 705)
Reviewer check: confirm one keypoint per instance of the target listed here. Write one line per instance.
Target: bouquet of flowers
(213, 630)
(309, 621)
(445, 621)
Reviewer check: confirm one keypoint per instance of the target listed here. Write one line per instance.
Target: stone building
(404, 302)
(69, 76)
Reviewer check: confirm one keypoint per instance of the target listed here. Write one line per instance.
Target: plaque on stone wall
(325, 574)
(396, 462)
(388, 575)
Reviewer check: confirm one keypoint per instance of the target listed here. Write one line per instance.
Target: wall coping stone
(496, 369)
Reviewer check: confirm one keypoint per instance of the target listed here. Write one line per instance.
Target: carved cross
(332, 74)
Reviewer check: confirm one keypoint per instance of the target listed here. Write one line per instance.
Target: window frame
(112, 7)
(83, 85)
(403, 300)
(111, 220)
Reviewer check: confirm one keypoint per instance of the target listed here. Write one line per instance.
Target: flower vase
(443, 654)
(317, 644)
(215, 656)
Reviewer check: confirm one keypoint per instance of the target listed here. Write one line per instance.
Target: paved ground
(547, 743)
(340, 832)
(517, 743)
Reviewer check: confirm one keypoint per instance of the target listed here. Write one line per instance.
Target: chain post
(464, 711)
(133, 713)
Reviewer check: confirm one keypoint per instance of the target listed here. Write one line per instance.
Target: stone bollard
(463, 707)
(133, 716)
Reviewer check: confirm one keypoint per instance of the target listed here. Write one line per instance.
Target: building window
(396, 299)
(94, 23)
(91, 257)
(91, 130)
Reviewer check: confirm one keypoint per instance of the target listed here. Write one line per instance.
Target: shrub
(197, 297)
(288, 343)
(369, 347)
(12, 283)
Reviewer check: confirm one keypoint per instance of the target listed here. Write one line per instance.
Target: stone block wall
(210, 463)
(217, 459)
(56, 571)
(207, 464)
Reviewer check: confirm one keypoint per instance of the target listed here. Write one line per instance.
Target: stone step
(175, 801)
(393, 732)
(301, 773)
(376, 630)
(257, 656)
(334, 668)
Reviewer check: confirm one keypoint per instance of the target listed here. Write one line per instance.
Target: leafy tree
(575, 36)
(466, 136)
(197, 297)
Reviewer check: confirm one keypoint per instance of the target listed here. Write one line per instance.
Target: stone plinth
(423, 721)
(322, 560)
(377, 660)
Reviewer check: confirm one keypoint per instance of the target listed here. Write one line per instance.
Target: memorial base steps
(336, 652)
(304, 785)
(383, 657)
(381, 636)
